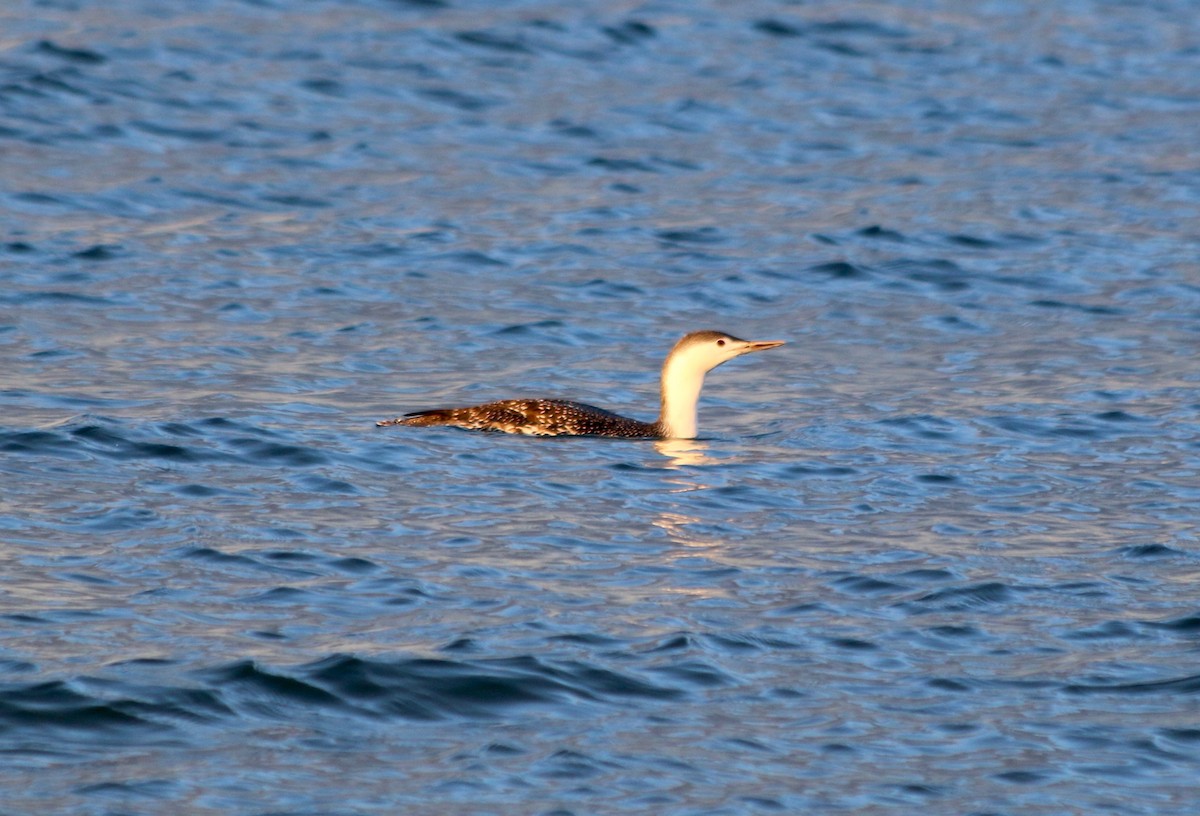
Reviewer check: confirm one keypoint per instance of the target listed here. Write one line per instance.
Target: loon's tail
(436, 416)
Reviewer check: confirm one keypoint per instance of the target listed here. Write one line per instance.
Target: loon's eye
(720, 342)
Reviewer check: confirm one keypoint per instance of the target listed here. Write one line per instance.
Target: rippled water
(939, 552)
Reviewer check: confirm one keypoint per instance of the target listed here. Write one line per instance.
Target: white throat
(682, 379)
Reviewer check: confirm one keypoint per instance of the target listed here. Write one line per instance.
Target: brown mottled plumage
(682, 378)
(535, 417)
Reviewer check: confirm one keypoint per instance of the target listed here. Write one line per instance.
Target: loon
(682, 378)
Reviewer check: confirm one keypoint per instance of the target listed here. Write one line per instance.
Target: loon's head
(683, 375)
(702, 351)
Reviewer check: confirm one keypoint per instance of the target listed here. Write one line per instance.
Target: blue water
(938, 553)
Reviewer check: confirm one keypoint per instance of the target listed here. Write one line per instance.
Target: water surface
(939, 552)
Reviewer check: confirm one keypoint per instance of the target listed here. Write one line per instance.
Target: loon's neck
(682, 380)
